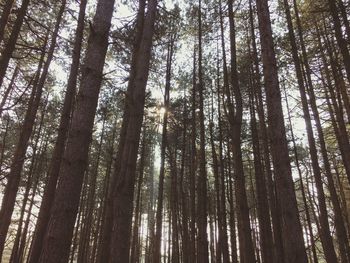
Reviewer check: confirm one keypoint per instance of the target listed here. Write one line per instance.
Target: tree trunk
(260, 184)
(202, 238)
(63, 214)
(105, 242)
(159, 213)
(14, 176)
(297, 163)
(235, 119)
(294, 245)
(326, 238)
(123, 191)
(54, 169)
(138, 214)
(276, 220)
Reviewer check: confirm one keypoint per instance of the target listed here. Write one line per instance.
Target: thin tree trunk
(158, 237)
(175, 258)
(193, 166)
(302, 187)
(138, 214)
(202, 238)
(184, 191)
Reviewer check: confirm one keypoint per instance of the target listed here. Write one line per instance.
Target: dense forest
(189, 131)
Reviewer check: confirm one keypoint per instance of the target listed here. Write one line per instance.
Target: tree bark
(294, 248)
(63, 214)
(123, 191)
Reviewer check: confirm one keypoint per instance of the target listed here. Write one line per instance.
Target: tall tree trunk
(232, 218)
(302, 186)
(260, 184)
(294, 245)
(54, 169)
(63, 214)
(85, 235)
(341, 134)
(235, 119)
(215, 169)
(193, 166)
(184, 192)
(105, 242)
(123, 191)
(276, 220)
(138, 214)
(202, 238)
(175, 253)
(14, 176)
(223, 238)
(29, 184)
(23, 244)
(159, 213)
(326, 238)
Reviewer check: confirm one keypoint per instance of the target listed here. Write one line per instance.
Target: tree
(63, 214)
(294, 246)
